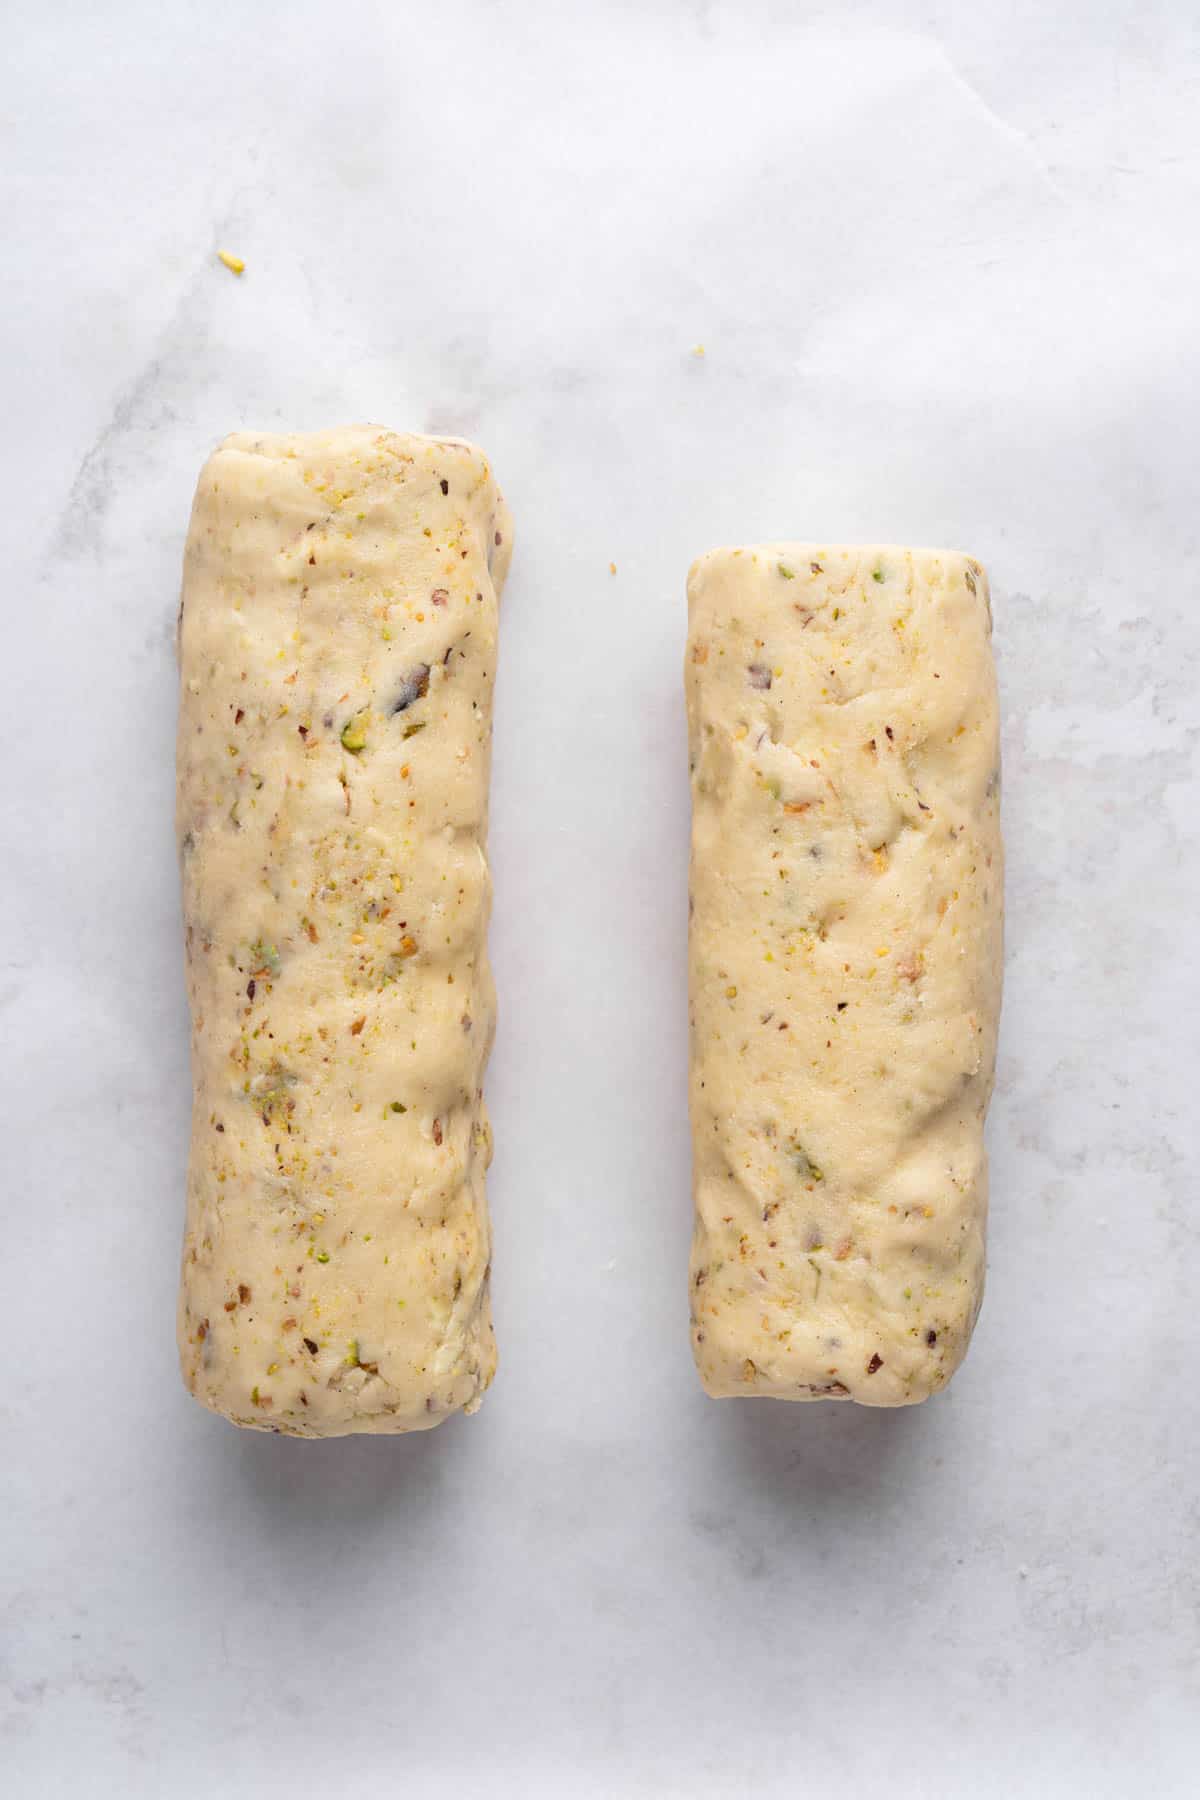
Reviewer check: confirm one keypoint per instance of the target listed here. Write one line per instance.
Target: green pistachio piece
(264, 955)
(805, 1165)
(354, 734)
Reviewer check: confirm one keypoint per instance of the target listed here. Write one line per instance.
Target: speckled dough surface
(338, 651)
(845, 961)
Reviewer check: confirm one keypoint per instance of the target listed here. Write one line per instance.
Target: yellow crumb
(612, 568)
(697, 349)
(232, 262)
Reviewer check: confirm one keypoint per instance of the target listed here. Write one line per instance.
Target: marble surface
(943, 264)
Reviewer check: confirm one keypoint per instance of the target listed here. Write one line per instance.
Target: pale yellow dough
(338, 650)
(845, 962)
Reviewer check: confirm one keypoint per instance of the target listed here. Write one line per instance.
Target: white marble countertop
(943, 263)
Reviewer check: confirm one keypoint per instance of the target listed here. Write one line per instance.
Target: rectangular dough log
(845, 960)
(337, 654)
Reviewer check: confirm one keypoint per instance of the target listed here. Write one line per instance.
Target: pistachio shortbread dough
(337, 651)
(845, 961)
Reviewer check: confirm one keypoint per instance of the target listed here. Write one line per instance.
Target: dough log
(845, 960)
(337, 652)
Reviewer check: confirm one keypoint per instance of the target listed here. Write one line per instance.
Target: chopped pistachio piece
(354, 734)
(264, 955)
(805, 1164)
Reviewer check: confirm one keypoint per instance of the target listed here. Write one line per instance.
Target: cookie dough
(845, 963)
(337, 653)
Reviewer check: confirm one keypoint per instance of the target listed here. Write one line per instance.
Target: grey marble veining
(942, 266)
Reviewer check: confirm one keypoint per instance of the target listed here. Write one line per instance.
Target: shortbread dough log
(845, 960)
(337, 651)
